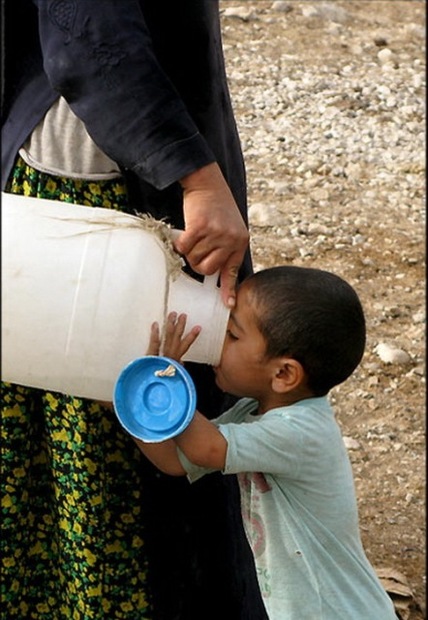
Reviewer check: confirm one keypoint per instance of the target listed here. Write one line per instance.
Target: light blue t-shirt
(300, 512)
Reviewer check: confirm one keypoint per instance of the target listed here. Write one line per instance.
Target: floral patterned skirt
(72, 539)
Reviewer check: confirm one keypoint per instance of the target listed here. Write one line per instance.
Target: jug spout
(202, 303)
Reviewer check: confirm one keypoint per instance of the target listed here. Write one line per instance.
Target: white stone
(263, 215)
(281, 6)
(238, 12)
(385, 55)
(326, 10)
(350, 443)
(320, 194)
(391, 355)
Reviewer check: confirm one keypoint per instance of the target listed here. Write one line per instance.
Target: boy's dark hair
(312, 316)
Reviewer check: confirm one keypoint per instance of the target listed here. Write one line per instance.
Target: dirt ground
(381, 409)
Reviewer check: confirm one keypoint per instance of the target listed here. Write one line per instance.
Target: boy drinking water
(294, 334)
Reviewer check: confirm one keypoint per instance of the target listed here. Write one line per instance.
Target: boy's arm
(163, 455)
(201, 441)
(203, 444)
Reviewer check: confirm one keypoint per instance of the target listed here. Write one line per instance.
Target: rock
(391, 355)
(316, 228)
(415, 30)
(380, 41)
(263, 215)
(281, 6)
(419, 317)
(385, 55)
(320, 194)
(239, 12)
(326, 10)
(351, 444)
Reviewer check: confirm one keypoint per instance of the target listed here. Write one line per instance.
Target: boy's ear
(288, 375)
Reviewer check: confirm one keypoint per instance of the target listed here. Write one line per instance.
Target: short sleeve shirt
(300, 512)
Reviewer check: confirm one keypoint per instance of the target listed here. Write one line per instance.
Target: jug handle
(209, 282)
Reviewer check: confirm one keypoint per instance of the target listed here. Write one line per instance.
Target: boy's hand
(175, 345)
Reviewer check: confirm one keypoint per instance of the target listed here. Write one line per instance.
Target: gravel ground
(329, 100)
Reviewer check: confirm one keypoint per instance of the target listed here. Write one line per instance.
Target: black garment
(147, 78)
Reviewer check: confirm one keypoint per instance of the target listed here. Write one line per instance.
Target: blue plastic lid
(154, 398)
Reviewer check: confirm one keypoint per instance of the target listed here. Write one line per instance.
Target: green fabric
(72, 539)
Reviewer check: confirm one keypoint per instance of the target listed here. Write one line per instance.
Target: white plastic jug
(81, 287)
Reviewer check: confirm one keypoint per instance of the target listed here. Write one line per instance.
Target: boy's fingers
(189, 339)
(154, 342)
(171, 320)
(181, 325)
(175, 327)
(176, 344)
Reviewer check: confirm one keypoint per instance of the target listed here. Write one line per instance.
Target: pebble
(239, 12)
(380, 41)
(385, 55)
(326, 10)
(320, 194)
(392, 355)
(263, 215)
(281, 6)
(351, 444)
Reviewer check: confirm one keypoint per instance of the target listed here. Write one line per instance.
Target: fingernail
(231, 302)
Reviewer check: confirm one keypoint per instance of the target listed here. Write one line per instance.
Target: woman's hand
(175, 343)
(216, 237)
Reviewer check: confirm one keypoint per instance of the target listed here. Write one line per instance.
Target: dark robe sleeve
(99, 56)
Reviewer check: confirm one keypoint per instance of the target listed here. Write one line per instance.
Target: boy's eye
(231, 335)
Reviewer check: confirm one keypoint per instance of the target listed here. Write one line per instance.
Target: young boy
(294, 334)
